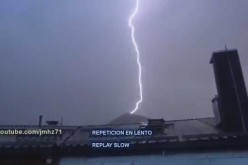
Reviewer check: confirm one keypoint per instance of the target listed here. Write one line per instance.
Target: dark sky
(75, 59)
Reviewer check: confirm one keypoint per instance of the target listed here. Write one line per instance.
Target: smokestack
(40, 120)
(61, 121)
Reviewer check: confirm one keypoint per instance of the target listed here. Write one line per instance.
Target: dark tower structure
(232, 95)
(40, 120)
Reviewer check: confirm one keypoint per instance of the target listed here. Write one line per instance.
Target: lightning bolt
(137, 56)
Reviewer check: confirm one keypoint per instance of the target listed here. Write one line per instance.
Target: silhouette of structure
(232, 95)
